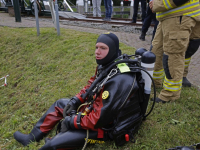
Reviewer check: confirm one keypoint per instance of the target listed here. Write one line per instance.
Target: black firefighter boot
(25, 139)
(186, 83)
(142, 36)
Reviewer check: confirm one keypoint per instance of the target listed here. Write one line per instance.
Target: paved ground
(130, 39)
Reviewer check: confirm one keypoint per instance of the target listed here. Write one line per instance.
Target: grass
(45, 68)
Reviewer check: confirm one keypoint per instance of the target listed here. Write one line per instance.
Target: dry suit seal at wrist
(75, 121)
(78, 121)
(75, 101)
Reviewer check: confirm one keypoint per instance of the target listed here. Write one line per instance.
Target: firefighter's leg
(192, 48)
(71, 139)
(44, 125)
(173, 67)
(174, 46)
(157, 49)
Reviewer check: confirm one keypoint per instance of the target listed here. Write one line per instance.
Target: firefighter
(159, 71)
(91, 109)
(177, 39)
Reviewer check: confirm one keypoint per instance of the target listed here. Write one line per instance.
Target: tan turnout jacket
(167, 9)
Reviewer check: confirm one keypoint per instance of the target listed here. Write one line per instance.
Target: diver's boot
(142, 36)
(186, 83)
(25, 139)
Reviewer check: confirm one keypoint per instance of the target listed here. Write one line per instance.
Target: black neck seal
(112, 41)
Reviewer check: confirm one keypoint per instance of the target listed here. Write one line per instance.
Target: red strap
(75, 125)
(100, 133)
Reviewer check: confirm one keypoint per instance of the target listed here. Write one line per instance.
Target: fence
(123, 11)
(117, 10)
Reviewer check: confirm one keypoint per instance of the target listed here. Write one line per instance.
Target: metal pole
(131, 9)
(89, 8)
(17, 11)
(36, 18)
(112, 8)
(68, 6)
(122, 8)
(86, 6)
(57, 18)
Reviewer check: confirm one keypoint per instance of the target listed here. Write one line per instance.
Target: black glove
(72, 105)
(65, 125)
(71, 122)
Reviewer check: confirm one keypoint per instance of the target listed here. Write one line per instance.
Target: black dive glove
(65, 125)
(73, 104)
(71, 122)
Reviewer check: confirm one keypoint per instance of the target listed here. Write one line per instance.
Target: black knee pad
(166, 67)
(192, 48)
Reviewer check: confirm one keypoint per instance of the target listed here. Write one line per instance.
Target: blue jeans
(108, 7)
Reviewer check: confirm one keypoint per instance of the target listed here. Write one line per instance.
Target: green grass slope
(45, 68)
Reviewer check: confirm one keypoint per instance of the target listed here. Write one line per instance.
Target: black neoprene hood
(112, 41)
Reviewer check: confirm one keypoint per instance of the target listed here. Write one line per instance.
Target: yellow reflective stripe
(187, 62)
(170, 82)
(156, 78)
(172, 85)
(174, 88)
(167, 4)
(186, 65)
(158, 74)
(178, 9)
(193, 13)
(187, 59)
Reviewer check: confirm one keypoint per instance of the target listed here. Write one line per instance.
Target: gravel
(112, 27)
(104, 26)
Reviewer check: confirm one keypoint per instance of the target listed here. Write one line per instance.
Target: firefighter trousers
(169, 45)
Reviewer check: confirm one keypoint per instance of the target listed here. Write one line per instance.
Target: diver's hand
(72, 105)
(68, 108)
(65, 124)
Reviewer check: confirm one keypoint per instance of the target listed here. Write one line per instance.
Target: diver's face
(101, 50)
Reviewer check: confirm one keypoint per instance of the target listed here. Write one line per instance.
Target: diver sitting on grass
(112, 96)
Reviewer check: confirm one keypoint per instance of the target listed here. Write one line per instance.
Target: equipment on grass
(5, 77)
(192, 147)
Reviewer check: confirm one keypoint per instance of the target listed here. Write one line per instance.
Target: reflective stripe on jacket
(166, 9)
